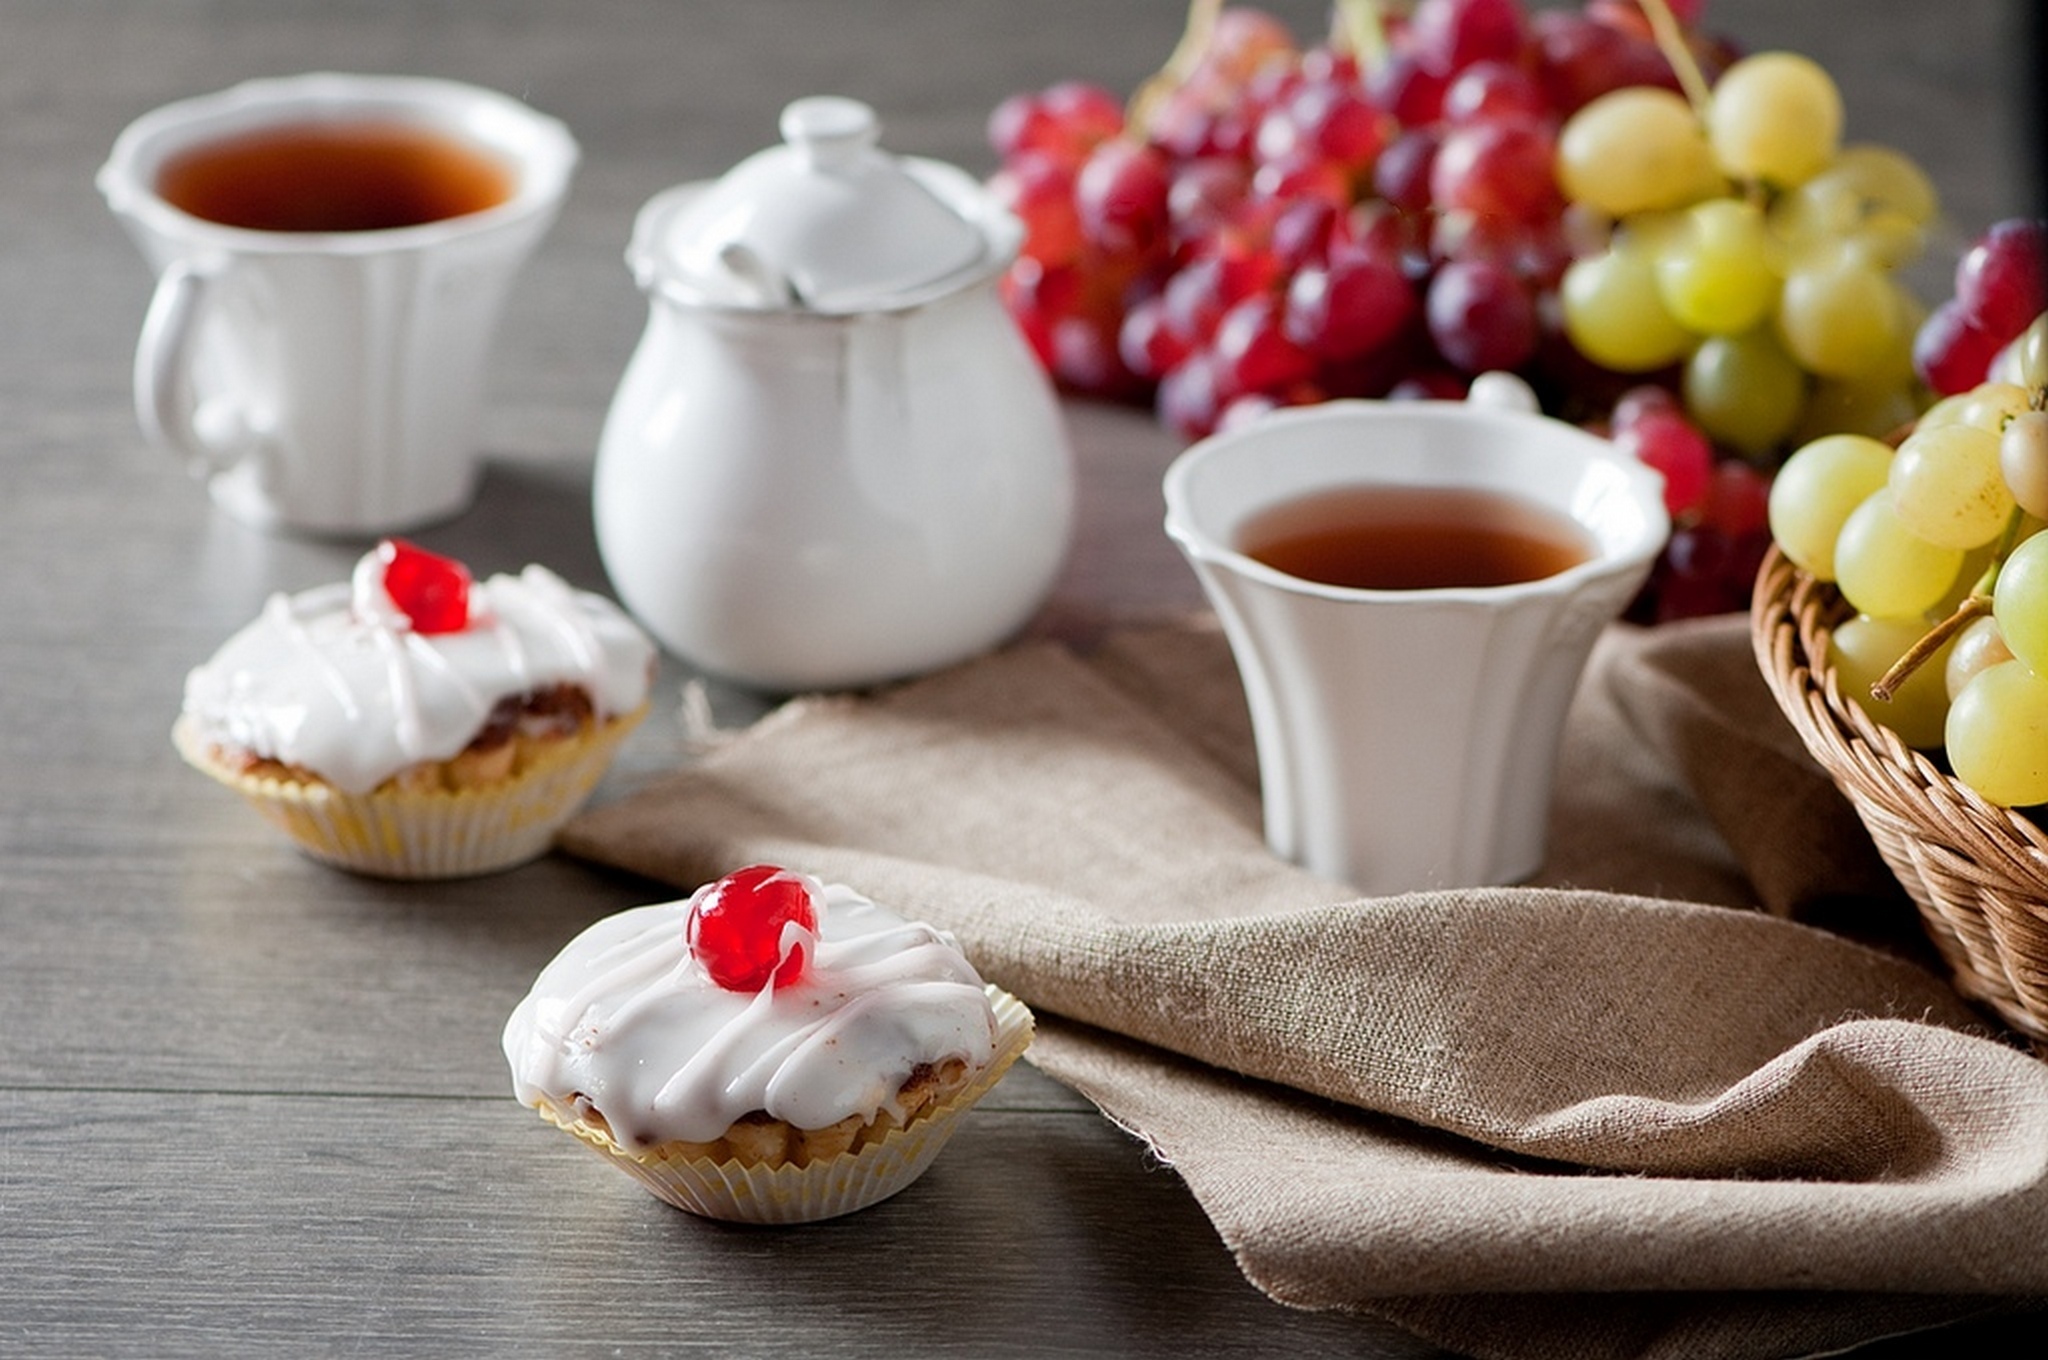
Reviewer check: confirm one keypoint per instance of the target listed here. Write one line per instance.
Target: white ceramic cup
(330, 382)
(1407, 739)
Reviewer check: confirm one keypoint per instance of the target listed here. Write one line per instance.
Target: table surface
(252, 1105)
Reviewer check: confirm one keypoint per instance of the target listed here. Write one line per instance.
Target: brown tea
(1414, 538)
(328, 176)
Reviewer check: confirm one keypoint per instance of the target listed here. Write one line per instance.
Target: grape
(1500, 167)
(1634, 150)
(1969, 577)
(1864, 648)
(2002, 281)
(1301, 176)
(1253, 352)
(1533, 250)
(1120, 196)
(1039, 189)
(1351, 307)
(1978, 646)
(1245, 42)
(1704, 572)
(1401, 175)
(1614, 315)
(1871, 197)
(1714, 275)
(2033, 353)
(1066, 121)
(1480, 316)
(1843, 318)
(1946, 486)
(1085, 355)
(1876, 407)
(1815, 492)
(1144, 341)
(1578, 59)
(1196, 297)
(2020, 602)
(1640, 401)
(1738, 500)
(1885, 180)
(1951, 352)
(1303, 232)
(1664, 440)
(2023, 461)
(1400, 238)
(1997, 735)
(1775, 116)
(1189, 399)
(1407, 89)
(1204, 196)
(1989, 405)
(1744, 390)
(1449, 35)
(1493, 89)
(1329, 122)
(1883, 568)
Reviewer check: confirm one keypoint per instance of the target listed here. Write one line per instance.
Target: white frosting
(625, 1018)
(334, 679)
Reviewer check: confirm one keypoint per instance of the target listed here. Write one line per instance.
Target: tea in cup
(1410, 591)
(333, 253)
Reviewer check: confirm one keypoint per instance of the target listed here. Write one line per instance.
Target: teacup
(1408, 727)
(333, 253)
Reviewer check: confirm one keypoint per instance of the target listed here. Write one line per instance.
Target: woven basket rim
(1978, 872)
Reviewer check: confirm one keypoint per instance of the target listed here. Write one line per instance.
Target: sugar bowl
(832, 460)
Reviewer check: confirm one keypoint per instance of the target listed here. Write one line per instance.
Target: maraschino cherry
(431, 590)
(736, 927)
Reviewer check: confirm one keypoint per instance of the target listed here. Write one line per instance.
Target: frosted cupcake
(770, 1050)
(413, 723)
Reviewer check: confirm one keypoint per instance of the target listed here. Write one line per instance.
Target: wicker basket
(1978, 872)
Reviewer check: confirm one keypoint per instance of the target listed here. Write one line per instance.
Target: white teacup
(323, 369)
(1407, 738)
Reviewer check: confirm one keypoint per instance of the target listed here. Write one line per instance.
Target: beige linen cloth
(1693, 1092)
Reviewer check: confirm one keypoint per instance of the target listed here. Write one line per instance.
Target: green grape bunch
(1939, 548)
(1750, 247)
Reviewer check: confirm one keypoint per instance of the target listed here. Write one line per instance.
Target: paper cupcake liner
(396, 833)
(825, 1189)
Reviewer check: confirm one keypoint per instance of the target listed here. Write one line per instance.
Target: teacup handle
(214, 436)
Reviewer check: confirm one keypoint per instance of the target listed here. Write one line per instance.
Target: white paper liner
(825, 1189)
(413, 835)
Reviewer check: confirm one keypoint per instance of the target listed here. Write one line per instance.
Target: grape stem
(1362, 27)
(1886, 686)
(1187, 54)
(1975, 605)
(1671, 42)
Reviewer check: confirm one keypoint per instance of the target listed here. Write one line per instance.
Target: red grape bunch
(1417, 199)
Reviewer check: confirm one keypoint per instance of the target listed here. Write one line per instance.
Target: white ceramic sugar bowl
(832, 460)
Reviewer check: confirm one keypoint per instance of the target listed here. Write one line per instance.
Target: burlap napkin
(1643, 1106)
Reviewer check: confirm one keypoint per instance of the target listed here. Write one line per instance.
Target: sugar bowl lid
(826, 222)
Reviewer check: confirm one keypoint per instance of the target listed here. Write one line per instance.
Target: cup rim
(544, 163)
(1644, 484)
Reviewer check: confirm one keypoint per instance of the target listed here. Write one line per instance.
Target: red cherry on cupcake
(432, 590)
(736, 926)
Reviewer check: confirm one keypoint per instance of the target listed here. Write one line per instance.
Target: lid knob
(830, 131)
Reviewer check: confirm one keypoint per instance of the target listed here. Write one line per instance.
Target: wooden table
(249, 1105)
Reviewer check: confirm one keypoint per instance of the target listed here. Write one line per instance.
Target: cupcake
(770, 1050)
(413, 723)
